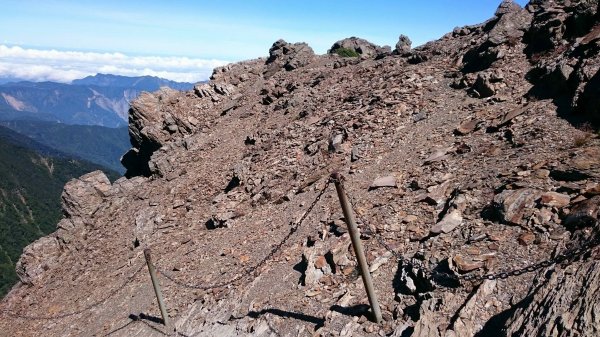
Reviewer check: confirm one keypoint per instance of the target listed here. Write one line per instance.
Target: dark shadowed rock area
(475, 156)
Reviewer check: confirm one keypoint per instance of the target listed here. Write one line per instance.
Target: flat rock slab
(555, 199)
(452, 220)
(387, 181)
(466, 127)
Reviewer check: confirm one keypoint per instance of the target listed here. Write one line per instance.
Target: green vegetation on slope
(346, 52)
(30, 189)
(97, 144)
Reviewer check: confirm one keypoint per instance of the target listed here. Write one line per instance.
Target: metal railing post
(159, 298)
(358, 249)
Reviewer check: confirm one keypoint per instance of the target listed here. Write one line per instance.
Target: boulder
(360, 46)
(514, 206)
(403, 45)
(450, 221)
(554, 199)
(483, 86)
(466, 127)
(83, 195)
(387, 181)
(583, 214)
(288, 56)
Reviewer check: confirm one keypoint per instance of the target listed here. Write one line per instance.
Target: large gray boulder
(360, 46)
(403, 45)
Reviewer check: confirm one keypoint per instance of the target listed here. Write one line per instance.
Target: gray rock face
(512, 23)
(38, 257)
(573, 75)
(566, 305)
(507, 6)
(149, 129)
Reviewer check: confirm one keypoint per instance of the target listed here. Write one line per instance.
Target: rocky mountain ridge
(455, 154)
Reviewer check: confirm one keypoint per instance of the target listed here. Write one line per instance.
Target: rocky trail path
(472, 155)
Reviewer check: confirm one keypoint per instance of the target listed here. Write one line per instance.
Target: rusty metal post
(358, 249)
(159, 298)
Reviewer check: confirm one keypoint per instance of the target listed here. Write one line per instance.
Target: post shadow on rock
(319, 322)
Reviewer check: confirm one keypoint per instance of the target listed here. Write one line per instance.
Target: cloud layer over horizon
(65, 66)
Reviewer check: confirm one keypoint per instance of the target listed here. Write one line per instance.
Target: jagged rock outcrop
(288, 56)
(563, 43)
(82, 196)
(565, 305)
(452, 164)
(403, 45)
(500, 33)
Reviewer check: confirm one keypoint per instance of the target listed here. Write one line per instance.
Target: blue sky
(203, 34)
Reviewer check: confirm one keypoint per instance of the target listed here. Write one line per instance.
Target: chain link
(254, 270)
(80, 311)
(433, 274)
(569, 255)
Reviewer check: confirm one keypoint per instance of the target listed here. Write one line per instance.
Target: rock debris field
(473, 155)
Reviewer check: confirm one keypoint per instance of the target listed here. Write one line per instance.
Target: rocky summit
(472, 164)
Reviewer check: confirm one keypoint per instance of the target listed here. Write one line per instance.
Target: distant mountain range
(32, 177)
(101, 100)
(142, 83)
(86, 119)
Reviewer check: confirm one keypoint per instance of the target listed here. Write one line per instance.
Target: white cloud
(65, 66)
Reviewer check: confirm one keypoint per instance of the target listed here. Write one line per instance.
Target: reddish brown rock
(554, 199)
(252, 147)
(467, 127)
(466, 265)
(526, 238)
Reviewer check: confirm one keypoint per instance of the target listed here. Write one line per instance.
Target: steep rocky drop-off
(31, 183)
(455, 153)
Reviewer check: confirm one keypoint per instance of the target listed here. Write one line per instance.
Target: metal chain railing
(569, 255)
(254, 270)
(432, 274)
(79, 311)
